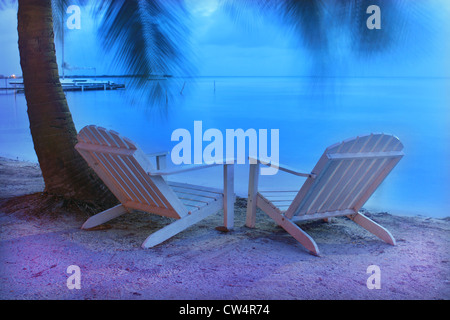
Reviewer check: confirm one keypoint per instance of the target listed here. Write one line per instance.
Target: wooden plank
(104, 216)
(320, 187)
(281, 167)
(194, 187)
(276, 199)
(229, 196)
(108, 138)
(397, 145)
(181, 169)
(130, 144)
(108, 178)
(360, 143)
(95, 164)
(164, 191)
(104, 158)
(373, 228)
(94, 131)
(373, 143)
(294, 230)
(278, 191)
(120, 141)
(282, 208)
(142, 184)
(362, 183)
(310, 190)
(82, 138)
(158, 184)
(192, 196)
(347, 145)
(322, 215)
(385, 141)
(153, 191)
(333, 186)
(194, 203)
(366, 155)
(143, 161)
(104, 149)
(181, 224)
(357, 170)
(366, 172)
(182, 191)
(191, 208)
(252, 195)
(89, 133)
(124, 171)
(371, 189)
(272, 205)
(340, 188)
(320, 166)
(165, 212)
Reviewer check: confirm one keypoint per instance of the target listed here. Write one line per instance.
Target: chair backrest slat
(145, 187)
(347, 174)
(121, 165)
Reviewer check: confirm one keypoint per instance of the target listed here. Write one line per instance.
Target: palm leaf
(317, 22)
(147, 38)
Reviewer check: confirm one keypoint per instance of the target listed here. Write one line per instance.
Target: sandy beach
(204, 263)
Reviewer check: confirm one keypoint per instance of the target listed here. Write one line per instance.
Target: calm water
(310, 114)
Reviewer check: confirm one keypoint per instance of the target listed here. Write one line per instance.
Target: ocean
(309, 113)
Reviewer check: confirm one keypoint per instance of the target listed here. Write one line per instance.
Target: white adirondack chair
(131, 177)
(343, 179)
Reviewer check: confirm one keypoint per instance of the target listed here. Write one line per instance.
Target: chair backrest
(123, 167)
(347, 174)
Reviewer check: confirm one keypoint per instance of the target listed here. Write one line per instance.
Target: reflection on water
(309, 114)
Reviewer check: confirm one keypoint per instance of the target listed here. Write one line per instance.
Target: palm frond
(147, 38)
(5, 4)
(59, 8)
(317, 23)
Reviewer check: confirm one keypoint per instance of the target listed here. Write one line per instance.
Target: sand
(204, 263)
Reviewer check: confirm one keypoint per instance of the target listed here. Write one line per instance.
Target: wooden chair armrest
(157, 154)
(180, 169)
(282, 167)
(188, 167)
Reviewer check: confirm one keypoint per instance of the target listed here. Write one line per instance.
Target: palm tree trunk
(54, 135)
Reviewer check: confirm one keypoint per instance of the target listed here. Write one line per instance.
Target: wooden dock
(73, 85)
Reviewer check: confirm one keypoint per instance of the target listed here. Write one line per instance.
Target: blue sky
(224, 47)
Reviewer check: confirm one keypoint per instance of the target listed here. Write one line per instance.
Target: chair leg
(292, 228)
(301, 236)
(228, 197)
(252, 195)
(104, 216)
(373, 227)
(181, 224)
